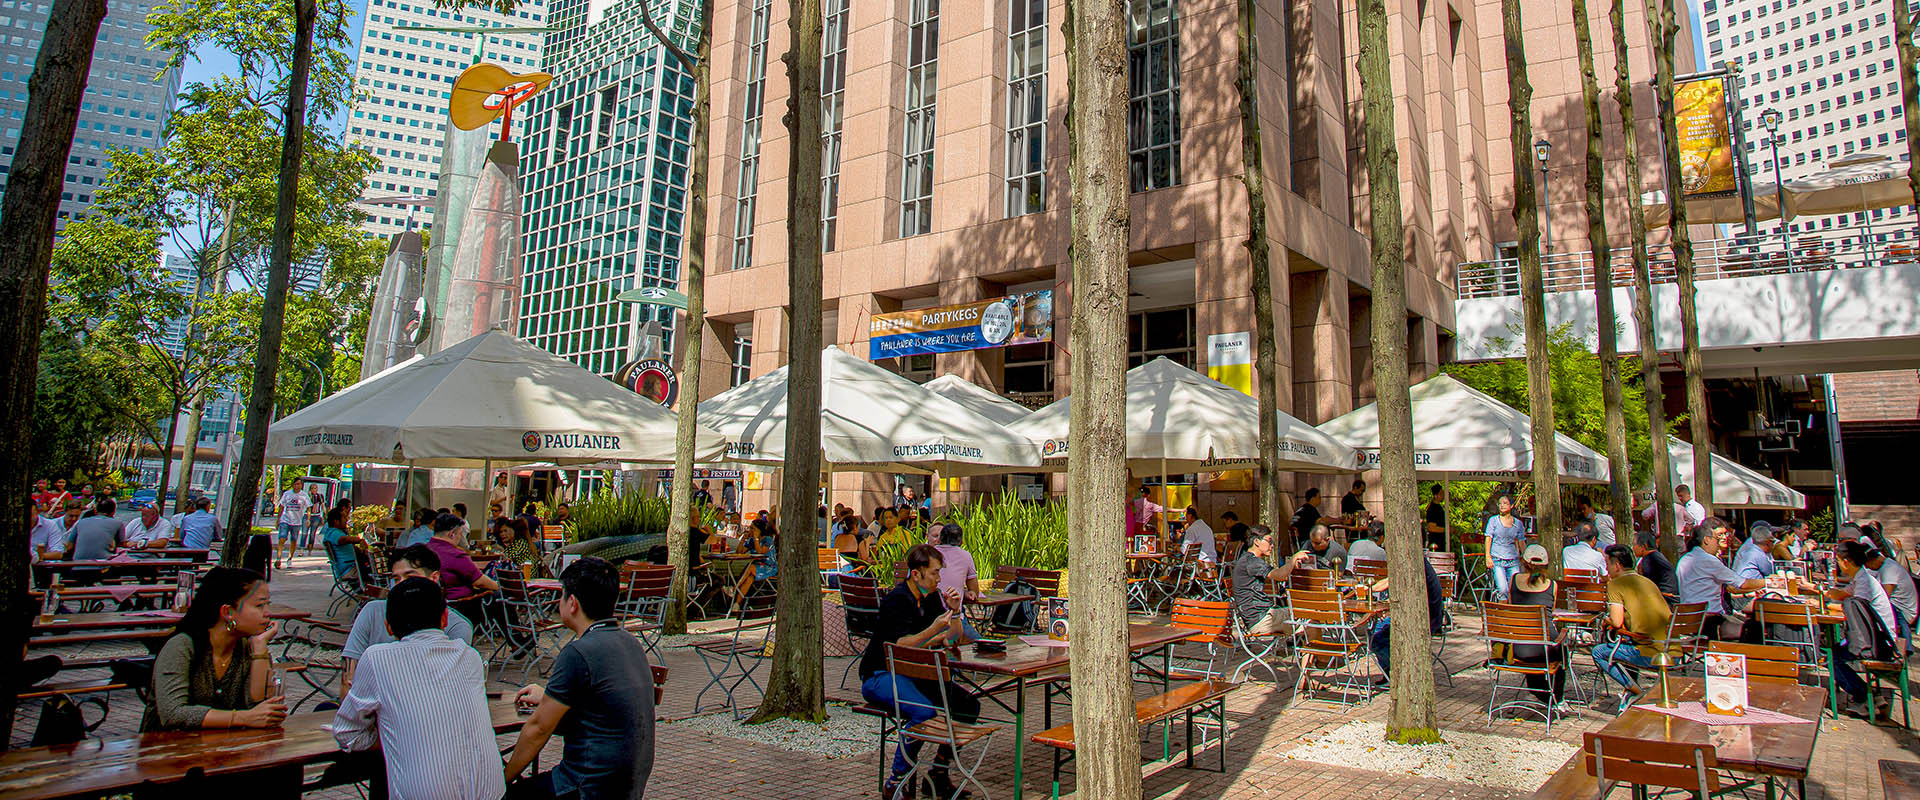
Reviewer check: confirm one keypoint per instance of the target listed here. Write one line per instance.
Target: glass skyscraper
(604, 154)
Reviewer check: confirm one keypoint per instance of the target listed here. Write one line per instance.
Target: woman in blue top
(1506, 534)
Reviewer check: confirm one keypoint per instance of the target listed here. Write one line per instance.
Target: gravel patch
(1473, 758)
(844, 733)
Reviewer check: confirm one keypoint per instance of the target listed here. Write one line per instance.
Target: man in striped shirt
(423, 700)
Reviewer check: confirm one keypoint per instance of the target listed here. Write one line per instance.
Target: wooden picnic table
(995, 599)
(1899, 780)
(1022, 663)
(1765, 751)
(96, 767)
(127, 565)
(106, 620)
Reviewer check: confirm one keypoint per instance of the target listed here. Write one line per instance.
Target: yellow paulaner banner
(1706, 143)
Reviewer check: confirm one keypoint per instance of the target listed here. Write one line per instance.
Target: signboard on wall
(1706, 140)
(1230, 359)
(1000, 322)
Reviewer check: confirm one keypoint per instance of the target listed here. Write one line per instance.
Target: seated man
(199, 528)
(1703, 575)
(1199, 533)
(423, 700)
(150, 531)
(599, 698)
(916, 614)
(340, 545)
(459, 576)
(1368, 546)
(1327, 553)
(1637, 612)
(1654, 566)
(1900, 592)
(1852, 557)
(1582, 553)
(1381, 642)
(369, 629)
(1252, 600)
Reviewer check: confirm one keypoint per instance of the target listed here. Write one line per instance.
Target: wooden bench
(71, 688)
(1183, 700)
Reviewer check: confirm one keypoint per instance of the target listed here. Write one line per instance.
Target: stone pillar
(1322, 357)
(1423, 349)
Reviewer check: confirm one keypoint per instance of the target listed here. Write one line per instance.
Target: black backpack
(1017, 616)
(62, 723)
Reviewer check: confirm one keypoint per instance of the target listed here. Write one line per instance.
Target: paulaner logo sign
(311, 439)
(955, 451)
(534, 441)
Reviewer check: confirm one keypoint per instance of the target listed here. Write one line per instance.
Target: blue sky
(210, 61)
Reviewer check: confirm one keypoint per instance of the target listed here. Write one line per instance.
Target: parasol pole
(1166, 499)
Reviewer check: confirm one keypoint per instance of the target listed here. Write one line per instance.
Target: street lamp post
(1541, 150)
(1770, 119)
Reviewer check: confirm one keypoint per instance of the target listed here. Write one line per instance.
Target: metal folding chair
(736, 658)
(1516, 626)
(643, 603)
(526, 621)
(929, 667)
(1330, 641)
(860, 600)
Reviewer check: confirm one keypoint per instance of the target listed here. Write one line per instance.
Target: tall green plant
(616, 514)
(999, 531)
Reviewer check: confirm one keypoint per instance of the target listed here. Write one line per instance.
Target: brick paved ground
(691, 764)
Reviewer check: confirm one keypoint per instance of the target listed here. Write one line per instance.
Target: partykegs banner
(1706, 142)
(1000, 322)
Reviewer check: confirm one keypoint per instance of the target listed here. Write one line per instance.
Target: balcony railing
(1732, 257)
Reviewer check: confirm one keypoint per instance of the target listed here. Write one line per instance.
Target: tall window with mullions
(916, 150)
(748, 188)
(833, 85)
(1153, 114)
(1026, 107)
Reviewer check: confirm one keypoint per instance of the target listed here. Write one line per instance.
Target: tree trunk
(215, 284)
(28, 212)
(1643, 295)
(1107, 759)
(795, 688)
(174, 391)
(1410, 718)
(273, 312)
(1526, 223)
(1683, 270)
(1266, 354)
(693, 264)
(1909, 91)
(1615, 425)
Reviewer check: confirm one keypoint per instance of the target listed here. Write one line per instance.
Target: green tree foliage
(1578, 412)
(87, 406)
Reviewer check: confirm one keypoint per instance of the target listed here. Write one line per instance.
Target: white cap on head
(1535, 554)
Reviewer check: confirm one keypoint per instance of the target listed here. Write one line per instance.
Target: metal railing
(1736, 256)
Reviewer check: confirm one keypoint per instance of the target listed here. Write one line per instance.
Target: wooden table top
(96, 766)
(99, 592)
(1780, 750)
(997, 599)
(733, 556)
(1024, 660)
(1146, 556)
(137, 563)
(1899, 780)
(138, 619)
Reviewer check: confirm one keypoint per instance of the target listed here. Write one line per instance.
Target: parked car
(142, 498)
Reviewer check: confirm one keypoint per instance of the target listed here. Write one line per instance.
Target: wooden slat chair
(643, 602)
(1641, 764)
(829, 559)
(1315, 580)
(1213, 620)
(929, 667)
(1047, 581)
(1583, 577)
(860, 600)
(734, 658)
(1895, 673)
(1790, 624)
(1369, 570)
(1519, 625)
(1329, 641)
(1765, 663)
(1588, 599)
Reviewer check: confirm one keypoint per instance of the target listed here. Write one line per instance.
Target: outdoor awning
(1719, 210)
(871, 420)
(1861, 182)
(1180, 421)
(493, 397)
(1461, 433)
(1735, 485)
(978, 399)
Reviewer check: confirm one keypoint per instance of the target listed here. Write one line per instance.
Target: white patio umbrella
(1860, 182)
(871, 420)
(978, 399)
(491, 398)
(1722, 209)
(1462, 433)
(1735, 485)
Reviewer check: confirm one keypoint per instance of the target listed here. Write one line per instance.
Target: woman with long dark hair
(510, 533)
(213, 671)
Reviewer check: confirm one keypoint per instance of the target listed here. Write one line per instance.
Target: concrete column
(716, 360)
(1322, 356)
(1423, 349)
(1360, 316)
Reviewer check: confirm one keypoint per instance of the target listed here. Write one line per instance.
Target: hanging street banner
(1230, 359)
(1706, 140)
(1000, 322)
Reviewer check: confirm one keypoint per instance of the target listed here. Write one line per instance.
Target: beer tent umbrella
(978, 399)
(1462, 433)
(1860, 182)
(1735, 485)
(492, 398)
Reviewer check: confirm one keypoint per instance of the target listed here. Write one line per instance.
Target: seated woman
(855, 548)
(212, 672)
(1535, 587)
(510, 534)
(761, 539)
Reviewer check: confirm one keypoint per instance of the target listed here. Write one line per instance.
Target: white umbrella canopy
(492, 398)
(1856, 183)
(1735, 485)
(1462, 433)
(871, 420)
(1180, 421)
(1719, 209)
(978, 399)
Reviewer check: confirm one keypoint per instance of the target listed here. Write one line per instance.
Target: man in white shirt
(1686, 510)
(292, 524)
(48, 540)
(1367, 547)
(1602, 523)
(1864, 583)
(150, 531)
(423, 700)
(1198, 532)
(1704, 577)
(1581, 554)
(1900, 591)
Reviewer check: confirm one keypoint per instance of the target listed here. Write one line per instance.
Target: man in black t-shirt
(599, 699)
(1436, 524)
(1350, 503)
(1655, 566)
(916, 614)
(1307, 516)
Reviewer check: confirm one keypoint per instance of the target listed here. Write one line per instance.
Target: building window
(833, 86)
(1153, 115)
(916, 150)
(1167, 332)
(740, 367)
(749, 185)
(1026, 107)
